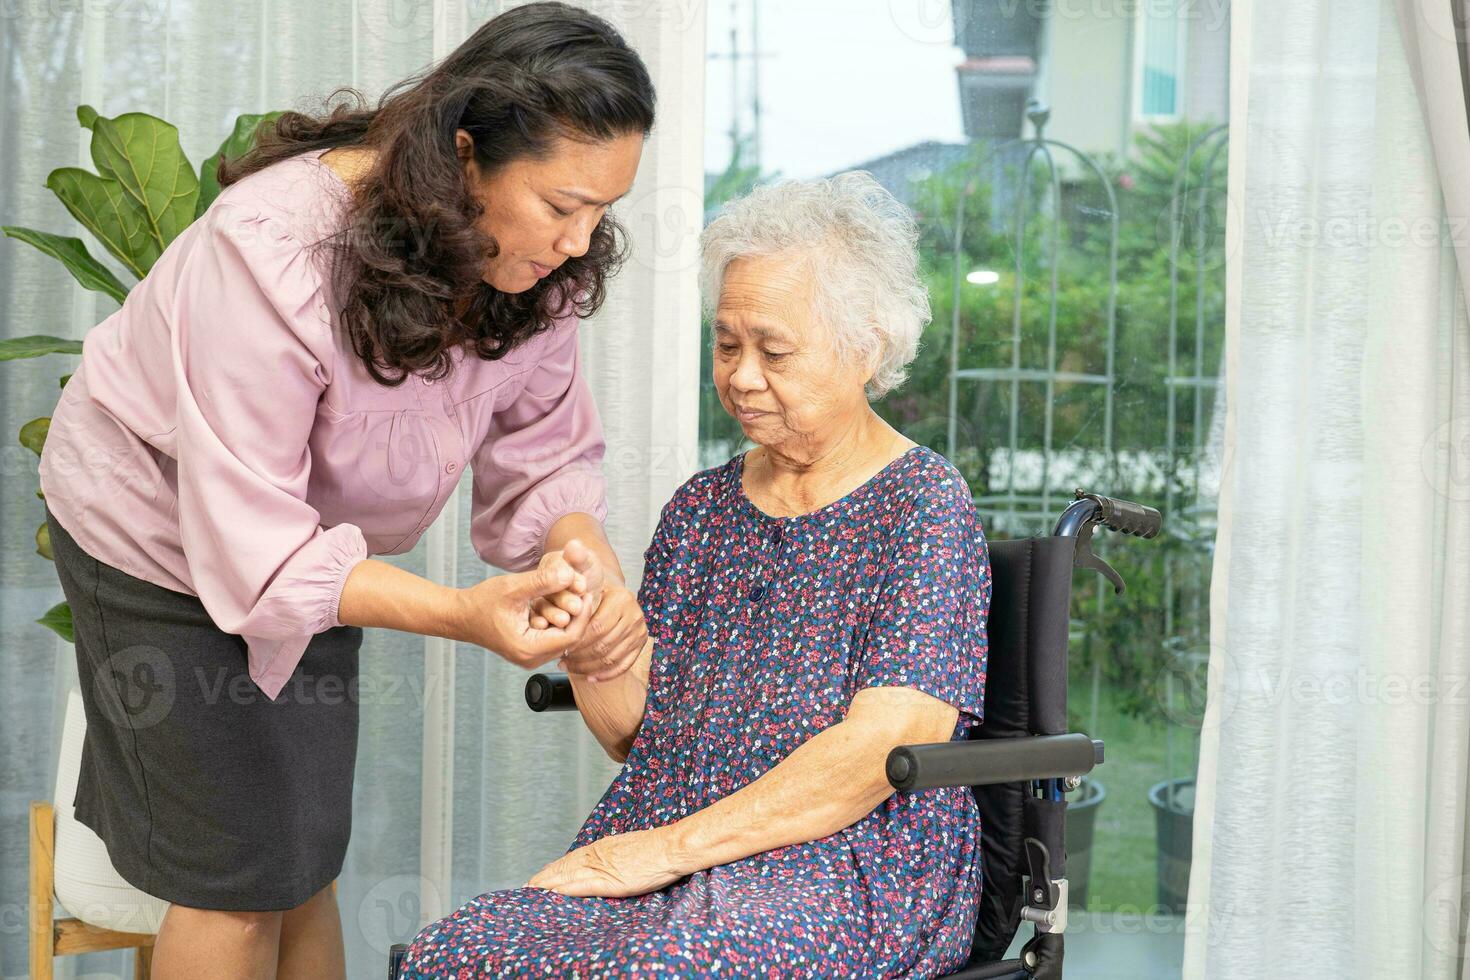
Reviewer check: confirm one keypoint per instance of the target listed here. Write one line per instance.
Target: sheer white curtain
(459, 788)
(1330, 820)
(523, 783)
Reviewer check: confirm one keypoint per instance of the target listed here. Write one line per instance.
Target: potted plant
(144, 193)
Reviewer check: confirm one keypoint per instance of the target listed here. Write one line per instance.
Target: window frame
(1141, 24)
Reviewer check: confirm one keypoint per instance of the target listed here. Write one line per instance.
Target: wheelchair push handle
(1129, 517)
(1114, 513)
(1091, 509)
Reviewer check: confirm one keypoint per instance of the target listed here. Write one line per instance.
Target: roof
(897, 171)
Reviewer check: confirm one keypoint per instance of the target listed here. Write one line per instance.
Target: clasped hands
(568, 609)
(600, 612)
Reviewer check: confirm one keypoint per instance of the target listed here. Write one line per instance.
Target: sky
(843, 81)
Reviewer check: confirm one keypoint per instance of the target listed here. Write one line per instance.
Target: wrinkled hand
(496, 614)
(616, 634)
(619, 866)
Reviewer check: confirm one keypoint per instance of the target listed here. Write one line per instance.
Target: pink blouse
(220, 438)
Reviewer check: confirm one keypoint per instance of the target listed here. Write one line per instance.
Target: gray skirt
(207, 793)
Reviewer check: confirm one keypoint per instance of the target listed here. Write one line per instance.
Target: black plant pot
(1173, 803)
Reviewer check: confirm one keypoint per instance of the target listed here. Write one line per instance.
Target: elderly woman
(811, 604)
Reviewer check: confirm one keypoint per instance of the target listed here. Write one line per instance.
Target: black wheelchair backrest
(1025, 694)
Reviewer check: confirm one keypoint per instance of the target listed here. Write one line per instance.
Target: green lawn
(1123, 876)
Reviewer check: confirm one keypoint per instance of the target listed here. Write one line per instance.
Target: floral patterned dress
(764, 629)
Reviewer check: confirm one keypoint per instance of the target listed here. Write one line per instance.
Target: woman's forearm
(829, 782)
(613, 709)
(589, 529)
(379, 594)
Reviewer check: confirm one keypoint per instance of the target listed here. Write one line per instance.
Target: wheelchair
(1022, 760)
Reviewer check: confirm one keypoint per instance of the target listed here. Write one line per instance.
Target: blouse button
(776, 535)
(757, 594)
(450, 467)
(428, 381)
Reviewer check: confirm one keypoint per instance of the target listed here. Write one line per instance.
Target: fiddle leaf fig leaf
(104, 209)
(237, 144)
(33, 434)
(72, 253)
(58, 619)
(142, 153)
(17, 348)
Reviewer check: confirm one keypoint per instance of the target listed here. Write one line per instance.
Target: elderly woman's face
(774, 365)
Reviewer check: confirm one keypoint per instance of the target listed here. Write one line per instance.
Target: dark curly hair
(409, 258)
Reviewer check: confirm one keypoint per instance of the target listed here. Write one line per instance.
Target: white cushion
(87, 885)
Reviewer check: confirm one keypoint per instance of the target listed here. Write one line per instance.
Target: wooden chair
(52, 937)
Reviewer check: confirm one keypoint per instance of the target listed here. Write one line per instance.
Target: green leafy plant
(144, 193)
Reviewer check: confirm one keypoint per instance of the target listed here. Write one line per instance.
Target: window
(1161, 49)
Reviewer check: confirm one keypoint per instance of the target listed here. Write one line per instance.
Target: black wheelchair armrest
(550, 692)
(982, 762)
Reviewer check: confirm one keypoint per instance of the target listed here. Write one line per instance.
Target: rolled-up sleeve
(541, 458)
(252, 352)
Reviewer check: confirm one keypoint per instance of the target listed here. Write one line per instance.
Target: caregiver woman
(262, 415)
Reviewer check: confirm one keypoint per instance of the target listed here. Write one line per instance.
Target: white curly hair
(861, 245)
